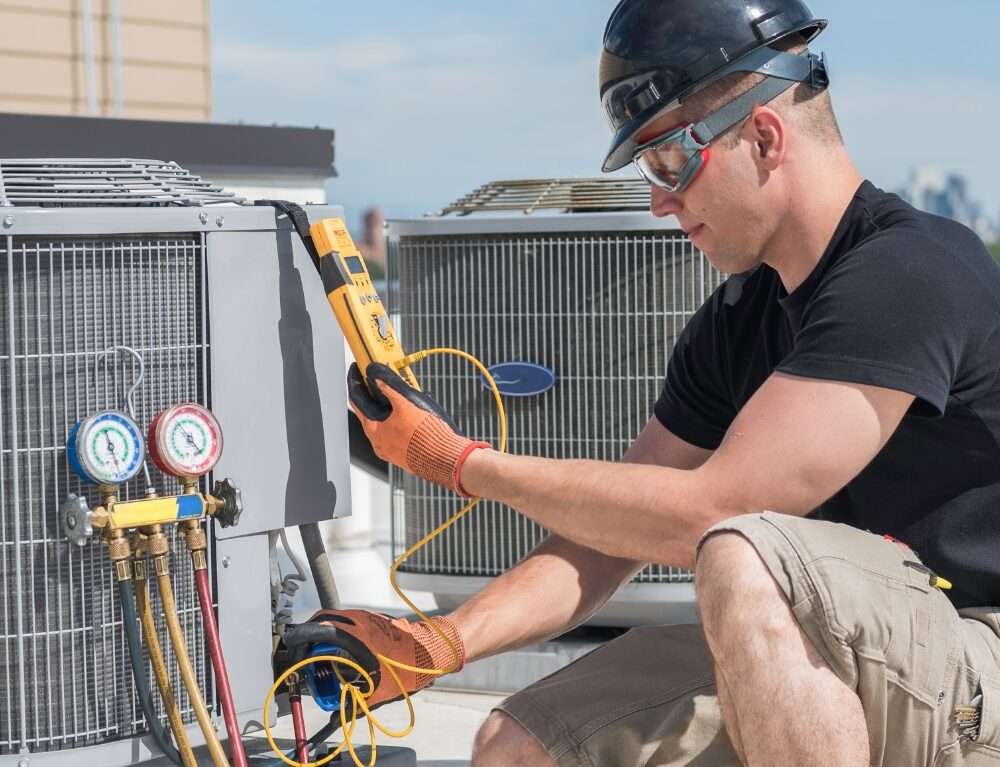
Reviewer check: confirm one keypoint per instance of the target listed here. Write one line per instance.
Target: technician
(824, 454)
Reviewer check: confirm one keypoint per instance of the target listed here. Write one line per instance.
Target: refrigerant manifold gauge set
(108, 449)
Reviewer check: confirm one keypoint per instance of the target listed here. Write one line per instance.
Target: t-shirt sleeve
(696, 404)
(894, 314)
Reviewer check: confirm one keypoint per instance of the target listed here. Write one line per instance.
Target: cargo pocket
(979, 722)
(923, 637)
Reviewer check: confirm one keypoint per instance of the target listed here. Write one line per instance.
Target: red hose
(299, 723)
(236, 750)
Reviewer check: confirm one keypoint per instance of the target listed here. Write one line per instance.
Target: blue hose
(126, 595)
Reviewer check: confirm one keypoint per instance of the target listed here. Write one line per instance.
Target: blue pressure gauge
(106, 449)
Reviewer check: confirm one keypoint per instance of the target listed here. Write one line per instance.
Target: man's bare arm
(560, 583)
(795, 443)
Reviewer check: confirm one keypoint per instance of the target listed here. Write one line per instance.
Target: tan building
(114, 58)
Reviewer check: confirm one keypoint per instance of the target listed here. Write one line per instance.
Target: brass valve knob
(230, 503)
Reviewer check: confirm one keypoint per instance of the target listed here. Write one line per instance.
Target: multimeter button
(383, 327)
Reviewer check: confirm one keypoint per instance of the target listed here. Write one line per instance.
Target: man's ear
(768, 133)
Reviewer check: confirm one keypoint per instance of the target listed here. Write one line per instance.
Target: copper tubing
(161, 566)
(159, 667)
(299, 724)
(236, 749)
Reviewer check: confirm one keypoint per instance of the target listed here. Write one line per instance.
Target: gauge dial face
(188, 440)
(109, 448)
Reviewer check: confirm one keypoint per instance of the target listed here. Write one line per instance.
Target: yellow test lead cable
(358, 698)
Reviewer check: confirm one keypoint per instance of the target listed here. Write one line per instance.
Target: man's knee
(502, 741)
(728, 567)
(735, 587)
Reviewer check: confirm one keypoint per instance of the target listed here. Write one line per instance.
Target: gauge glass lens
(110, 448)
(188, 440)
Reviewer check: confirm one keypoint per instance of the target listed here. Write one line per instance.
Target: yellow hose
(184, 663)
(160, 672)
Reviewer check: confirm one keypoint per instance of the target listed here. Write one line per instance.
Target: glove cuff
(434, 652)
(436, 452)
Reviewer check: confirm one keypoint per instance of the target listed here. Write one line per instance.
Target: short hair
(809, 108)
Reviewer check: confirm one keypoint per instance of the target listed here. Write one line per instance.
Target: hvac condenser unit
(571, 276)
(220, 300)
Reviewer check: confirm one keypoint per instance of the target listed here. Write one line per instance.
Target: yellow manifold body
(125, 515)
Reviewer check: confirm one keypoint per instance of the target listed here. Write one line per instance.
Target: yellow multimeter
(357, 306)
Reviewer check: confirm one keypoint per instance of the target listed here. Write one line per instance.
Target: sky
(432, 99)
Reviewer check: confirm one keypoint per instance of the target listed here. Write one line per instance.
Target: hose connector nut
(158, 545)
(119, 549)
(196, 538)
(230, 503)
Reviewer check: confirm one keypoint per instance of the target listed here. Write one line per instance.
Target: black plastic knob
(232, 503)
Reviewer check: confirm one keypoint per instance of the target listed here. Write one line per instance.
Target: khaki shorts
(648, 698)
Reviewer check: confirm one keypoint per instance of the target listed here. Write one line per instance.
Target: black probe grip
(300, 222)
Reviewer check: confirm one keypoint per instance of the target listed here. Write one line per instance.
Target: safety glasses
(673, 160)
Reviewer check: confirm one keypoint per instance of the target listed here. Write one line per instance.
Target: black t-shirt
(900, 299)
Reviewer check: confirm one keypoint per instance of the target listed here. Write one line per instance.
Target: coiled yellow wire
(350, 690)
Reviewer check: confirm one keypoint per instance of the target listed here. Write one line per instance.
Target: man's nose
(663, 203)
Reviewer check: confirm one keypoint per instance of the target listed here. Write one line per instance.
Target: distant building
(107, 58)
(946, 194)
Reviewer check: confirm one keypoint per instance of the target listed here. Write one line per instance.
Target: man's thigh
(647, 698)
(869, 609)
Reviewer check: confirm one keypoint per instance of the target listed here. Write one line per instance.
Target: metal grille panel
(114, 182)
(602, 311)
(64, 672)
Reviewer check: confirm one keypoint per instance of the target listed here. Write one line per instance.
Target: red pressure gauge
(185, 441)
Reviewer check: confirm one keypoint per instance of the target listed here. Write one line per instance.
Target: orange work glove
(366, 635)
(408, 428)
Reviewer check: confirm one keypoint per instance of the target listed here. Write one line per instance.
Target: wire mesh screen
(601, 311)
(64, 670)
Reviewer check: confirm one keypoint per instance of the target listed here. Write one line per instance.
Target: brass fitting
(118, 547)
(156, 542)
(199, 560)
(100, 517)
(120, 552)
(161, 565)
(123, 572)
(109, 493)
(197, 543)
(194, 536)
(140, 569)
(189, 486)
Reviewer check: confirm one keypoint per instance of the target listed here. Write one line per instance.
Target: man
(844, 380)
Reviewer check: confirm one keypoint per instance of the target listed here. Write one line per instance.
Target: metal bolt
(8, 221)
(226, 561)
(203, 217)
(71, 522)
(220, 221)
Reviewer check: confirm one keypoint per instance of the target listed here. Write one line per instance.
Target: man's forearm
(558, 586)
(636, 512)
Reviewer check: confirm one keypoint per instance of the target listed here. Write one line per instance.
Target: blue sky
(431, 99)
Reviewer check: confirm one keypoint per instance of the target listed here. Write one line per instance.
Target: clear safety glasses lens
(671, 161)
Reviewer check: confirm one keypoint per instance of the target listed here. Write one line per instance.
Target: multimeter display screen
(354, 265)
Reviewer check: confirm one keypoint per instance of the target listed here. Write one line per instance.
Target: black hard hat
(659, 52)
